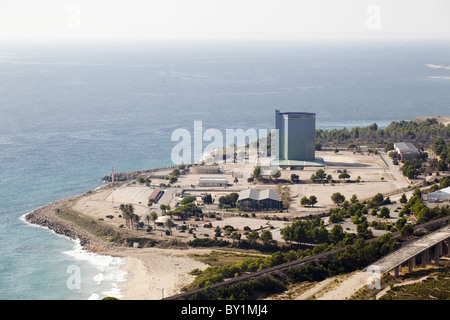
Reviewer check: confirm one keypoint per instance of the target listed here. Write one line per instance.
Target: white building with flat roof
(212, 182)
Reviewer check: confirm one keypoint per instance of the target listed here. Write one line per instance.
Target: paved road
(400, 180)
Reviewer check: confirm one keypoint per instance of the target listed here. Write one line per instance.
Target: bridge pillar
(411, 264)
(397, 270)
(424, 259)
(436, 253)
(448, 247)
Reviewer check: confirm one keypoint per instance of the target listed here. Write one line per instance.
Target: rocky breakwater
(47, 217)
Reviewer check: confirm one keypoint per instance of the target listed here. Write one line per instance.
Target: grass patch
(94, 227)
(435, 287)
(218, 258)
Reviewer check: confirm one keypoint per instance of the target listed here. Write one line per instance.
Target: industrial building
(156, 195)
(296, 139)
(204, 169)
(264, 199)
(406, 150)
(439, 195)
(212, 182)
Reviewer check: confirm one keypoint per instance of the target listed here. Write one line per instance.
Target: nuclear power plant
(296, 139)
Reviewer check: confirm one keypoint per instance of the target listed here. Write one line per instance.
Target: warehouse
(212, 182)
(264, 199)
(406, 151)
(439, 196)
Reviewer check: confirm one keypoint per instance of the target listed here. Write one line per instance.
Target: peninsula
(172, 224)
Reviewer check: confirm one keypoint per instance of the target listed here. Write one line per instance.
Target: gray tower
(296, 138)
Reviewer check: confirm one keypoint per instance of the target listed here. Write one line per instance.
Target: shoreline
(150, 272)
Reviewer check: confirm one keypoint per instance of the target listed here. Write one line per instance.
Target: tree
(378, 199)
(266, 237)
(228, 201)
(337, 233)
(141, 180)
(169, 225)
(235, 236)
(217, 232)
(294, 178)
(337, 198)
(304, 201)
(127, 212)
(187, 200)
(312, 200)
(388, 147)
(207, 198)
(442, 165)
(344, 175)
(148, 218)
(173, 179)
(407, 230)
(403, 198)
(362, 229)
(275, 174)
(438, 145)
(257, 173)
(384, 213)
(354, 199)
(136, 218)
(320, 174)
(252, 236)
(318, 146)
(153, 216)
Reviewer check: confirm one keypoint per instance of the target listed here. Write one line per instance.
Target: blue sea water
(71, 111)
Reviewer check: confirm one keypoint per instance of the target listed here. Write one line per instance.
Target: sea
(72, 110)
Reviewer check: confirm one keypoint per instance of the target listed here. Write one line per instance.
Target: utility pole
(112, 186)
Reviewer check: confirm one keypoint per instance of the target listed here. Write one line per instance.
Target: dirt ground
(370, 168)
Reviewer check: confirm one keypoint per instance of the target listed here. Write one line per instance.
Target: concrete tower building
(296, 139)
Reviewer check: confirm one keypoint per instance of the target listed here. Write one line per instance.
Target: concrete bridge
(431, 245)
(422, 250)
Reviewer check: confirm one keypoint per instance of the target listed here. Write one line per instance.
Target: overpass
(425, 249)
(407, 253)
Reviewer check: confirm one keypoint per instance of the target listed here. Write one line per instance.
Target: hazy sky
(275, 19)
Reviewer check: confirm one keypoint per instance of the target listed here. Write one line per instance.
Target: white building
(439, 196)
(212, 182)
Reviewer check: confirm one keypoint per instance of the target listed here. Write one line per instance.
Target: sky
(223, 19)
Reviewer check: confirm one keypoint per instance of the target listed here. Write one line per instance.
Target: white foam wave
(434, 66)
(109, 269)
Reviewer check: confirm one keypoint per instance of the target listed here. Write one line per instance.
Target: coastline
(151, 273)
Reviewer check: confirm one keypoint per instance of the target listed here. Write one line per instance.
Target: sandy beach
(152, 272)
(157, 273)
